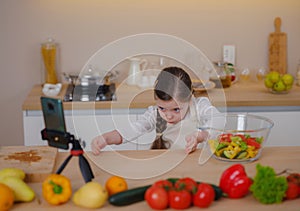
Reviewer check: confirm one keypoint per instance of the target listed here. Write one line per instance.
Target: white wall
(83, 26)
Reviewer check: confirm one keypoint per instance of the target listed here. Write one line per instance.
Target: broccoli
(267, 187)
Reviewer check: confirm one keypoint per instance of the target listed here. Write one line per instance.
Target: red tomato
(225, 137)
(292, 191)
(252, 142)
(166, 184)
(294, 178)
(157, 198)
(186, 183)
(241, 136)
(204, 196)
(180, 199)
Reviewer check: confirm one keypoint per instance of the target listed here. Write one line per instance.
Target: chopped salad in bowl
(236, 137)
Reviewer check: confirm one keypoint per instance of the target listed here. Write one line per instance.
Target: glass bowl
(278, 92)
(236, 137)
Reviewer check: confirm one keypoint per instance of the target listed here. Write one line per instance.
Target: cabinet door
(87, 127)
(33, 125)
(286, 128)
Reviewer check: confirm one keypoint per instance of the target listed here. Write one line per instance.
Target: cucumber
(242, 155)
(217, 189)
(129, 196)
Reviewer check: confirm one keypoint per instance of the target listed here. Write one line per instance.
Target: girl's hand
(98, 144)
(108, 138)
(193, 140)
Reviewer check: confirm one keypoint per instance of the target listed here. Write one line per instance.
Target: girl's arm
(126, 132)
(194, 139)
(108, 138)
(203, 107)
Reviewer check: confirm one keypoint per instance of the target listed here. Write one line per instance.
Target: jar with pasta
(49, 52)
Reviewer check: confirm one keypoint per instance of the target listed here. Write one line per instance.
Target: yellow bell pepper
(57, 189)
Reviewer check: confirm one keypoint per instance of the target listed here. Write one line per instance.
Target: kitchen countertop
(238, 95)
(279, 158)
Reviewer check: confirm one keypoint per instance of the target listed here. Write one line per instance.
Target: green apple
(279, 86)
(274, 76)
(287, 79)
(268, 83)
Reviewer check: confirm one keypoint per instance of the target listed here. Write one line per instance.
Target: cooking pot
(90, 78)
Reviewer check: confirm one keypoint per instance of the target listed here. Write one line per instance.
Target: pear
(12, 172)
(22, 192)
(90, 195)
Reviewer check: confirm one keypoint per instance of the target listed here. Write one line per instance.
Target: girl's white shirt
(175, 133)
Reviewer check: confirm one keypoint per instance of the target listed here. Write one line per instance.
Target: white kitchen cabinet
(86, 125)
(82, 124)
(286, 128)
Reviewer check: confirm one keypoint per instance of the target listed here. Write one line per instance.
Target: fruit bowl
(278, 92)
(236, 137)
(278, 83)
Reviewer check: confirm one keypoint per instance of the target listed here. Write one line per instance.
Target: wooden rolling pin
(278, 49)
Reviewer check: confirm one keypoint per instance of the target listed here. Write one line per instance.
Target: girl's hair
(173, 83)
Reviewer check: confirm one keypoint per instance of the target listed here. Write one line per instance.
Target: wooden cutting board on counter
(36, 161)
(278, 49)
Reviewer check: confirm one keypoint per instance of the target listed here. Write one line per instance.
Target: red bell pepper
(234, 181)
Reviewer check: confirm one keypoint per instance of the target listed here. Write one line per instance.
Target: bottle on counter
(49, 52)
(222, 76)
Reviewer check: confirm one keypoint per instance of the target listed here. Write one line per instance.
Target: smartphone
(54, 120)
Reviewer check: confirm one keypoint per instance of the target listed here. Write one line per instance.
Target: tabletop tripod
(62, 140)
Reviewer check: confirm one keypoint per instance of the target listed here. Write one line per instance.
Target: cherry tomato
(204, 196)
(292, 191)
(157, 198)
(186, 183)
(294, 178)
(180, 199)
(241, 136)
(252, 142)
(225, 137)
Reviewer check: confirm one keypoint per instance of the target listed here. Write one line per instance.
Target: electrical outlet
(229, 54)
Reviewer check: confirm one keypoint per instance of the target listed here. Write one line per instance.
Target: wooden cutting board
(36, 161)
(278, 49)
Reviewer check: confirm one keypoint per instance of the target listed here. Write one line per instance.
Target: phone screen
(53, 114)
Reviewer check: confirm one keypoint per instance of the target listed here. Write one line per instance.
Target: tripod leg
(85, 168)
(63, 165)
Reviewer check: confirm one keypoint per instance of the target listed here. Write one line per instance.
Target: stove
(90, 93)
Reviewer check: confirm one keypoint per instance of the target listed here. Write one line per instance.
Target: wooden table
(279, 158)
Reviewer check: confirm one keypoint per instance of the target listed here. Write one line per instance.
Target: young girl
(174, 117)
